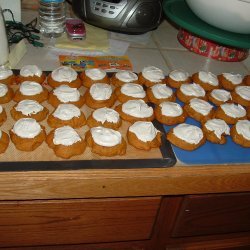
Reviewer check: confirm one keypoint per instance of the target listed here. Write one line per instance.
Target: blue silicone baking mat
(211, 153)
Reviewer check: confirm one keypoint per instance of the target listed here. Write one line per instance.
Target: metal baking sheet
(44, 159)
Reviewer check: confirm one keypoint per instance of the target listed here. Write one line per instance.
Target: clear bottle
(52, 16)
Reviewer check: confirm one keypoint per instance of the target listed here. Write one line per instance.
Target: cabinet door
(30, 223)
(213, 214)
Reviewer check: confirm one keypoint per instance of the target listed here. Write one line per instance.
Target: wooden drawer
(213, 214)
(31, 223)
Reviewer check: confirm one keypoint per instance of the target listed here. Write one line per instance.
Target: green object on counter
(179, 12)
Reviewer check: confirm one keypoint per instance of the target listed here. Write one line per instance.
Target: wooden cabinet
(212, 221)
(213, 214)
(58, 222)
(209, 221)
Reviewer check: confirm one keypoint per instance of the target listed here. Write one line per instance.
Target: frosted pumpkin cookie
(31, 73)
(7, 76)
(188, 91)
(66, 142)
(130, 91)
(106, 141)
(105, 117)
(6, 93)
(4, 141)
(240, 133)
(3, 115)
(186, 136)
(199, 109)
(159, 93)
(215, 131)
(91, 76)
(207, 80)
(66, 115)
(143, 135)
(123, 76)
(65, 94)
(99, 95)
(219, 96)
(135, 110)
(241, 95)
(150, 76)
(230, 113)
(32, 91)
(229, 80)
(27, 134)
(177, 77)
(29, 109)
(64, 76)
(170, 113)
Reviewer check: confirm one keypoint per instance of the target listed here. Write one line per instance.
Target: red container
(211, 49)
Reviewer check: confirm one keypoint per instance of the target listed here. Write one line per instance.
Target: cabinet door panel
(32, 223)
(213, 214)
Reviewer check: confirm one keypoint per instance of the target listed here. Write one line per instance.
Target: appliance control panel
(109, 8)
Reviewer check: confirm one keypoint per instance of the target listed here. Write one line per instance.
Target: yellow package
(96, 39)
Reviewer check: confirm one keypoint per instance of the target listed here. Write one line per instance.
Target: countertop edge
(79, 184)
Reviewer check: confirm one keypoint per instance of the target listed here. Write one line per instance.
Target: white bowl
(230, 15)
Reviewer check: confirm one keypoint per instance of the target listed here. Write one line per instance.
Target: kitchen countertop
(163, 51)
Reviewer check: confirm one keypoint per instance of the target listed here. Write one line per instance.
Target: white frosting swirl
(233, 110)
(1, 109)
(221, 95)
(137, 108)
(30, 88)
(64, 74)
(192, 89)
(65, 136)
(106, 115)
(200, 106)
(218, 126)
(126, 76)
(243, 128)
(188, 133)
(208, 77)
(133, 89)
(105, 136)
(27, 128)
(3, 89)
(66, 112)
(171, 109)
(144, 131)
(100, 91)
(161, 91)
(5, 73)
(30, 70)
(29, 107)
(233, 78)
(243, 91)
(153, 74)
(66, 94)
(179, 75)
(95, 74)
